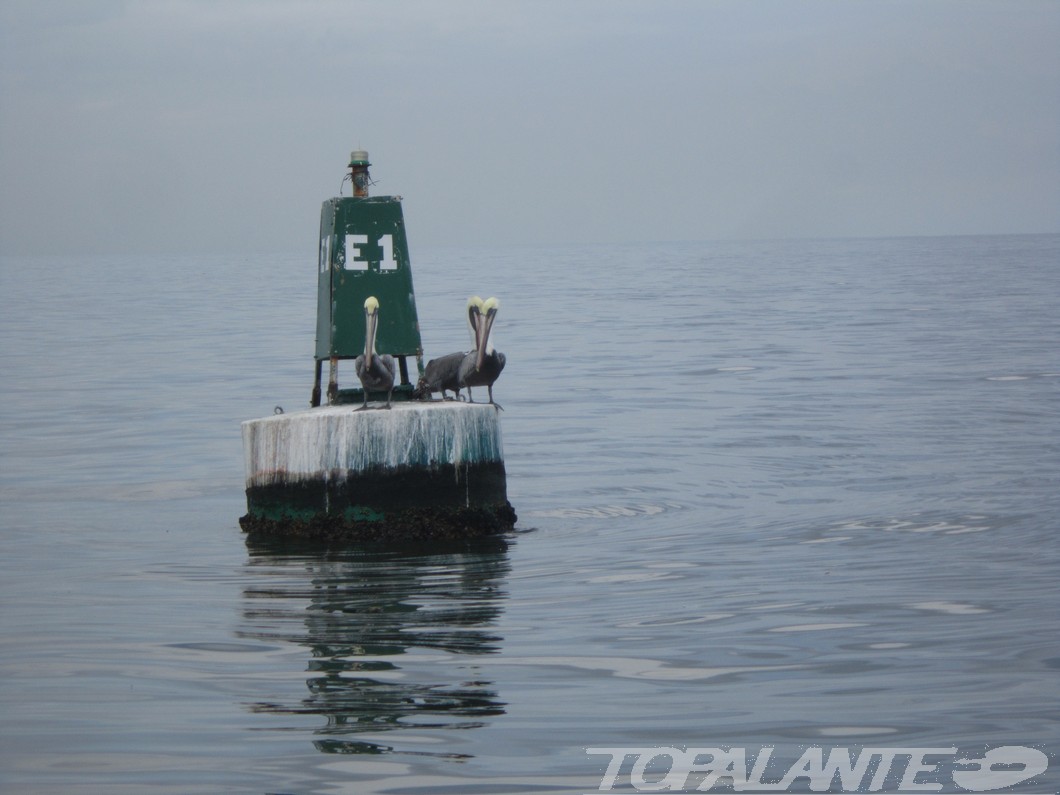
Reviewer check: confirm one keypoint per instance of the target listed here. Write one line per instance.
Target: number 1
(386, 242)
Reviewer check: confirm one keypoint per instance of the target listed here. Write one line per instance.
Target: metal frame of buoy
(363, 251)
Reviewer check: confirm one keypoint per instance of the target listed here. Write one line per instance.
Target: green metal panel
(363, 252)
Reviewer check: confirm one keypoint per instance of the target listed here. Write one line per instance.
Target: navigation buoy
(423, 469)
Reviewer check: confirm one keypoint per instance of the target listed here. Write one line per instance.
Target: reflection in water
(359, 613)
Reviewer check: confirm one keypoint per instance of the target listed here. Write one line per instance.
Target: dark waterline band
(385, 504)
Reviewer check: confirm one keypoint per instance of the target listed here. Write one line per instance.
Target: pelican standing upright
(422, 470)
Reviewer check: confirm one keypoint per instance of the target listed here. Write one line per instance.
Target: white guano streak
(327, 441)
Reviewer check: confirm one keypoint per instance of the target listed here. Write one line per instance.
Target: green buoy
(419, 471)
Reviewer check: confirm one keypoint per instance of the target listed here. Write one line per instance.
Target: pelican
(377, 373)
(440, 375)
(443, 373)
(483, 365)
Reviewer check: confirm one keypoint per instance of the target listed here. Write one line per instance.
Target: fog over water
(195, 126)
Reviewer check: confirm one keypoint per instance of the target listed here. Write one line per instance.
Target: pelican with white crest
(483, 366)
(377, 373)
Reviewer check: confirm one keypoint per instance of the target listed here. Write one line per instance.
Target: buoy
(421, 470)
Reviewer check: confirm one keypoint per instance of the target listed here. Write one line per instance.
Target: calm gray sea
(784, 494)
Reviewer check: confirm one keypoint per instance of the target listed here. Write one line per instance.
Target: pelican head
(371, 318)
(474, 309)
(487, 314)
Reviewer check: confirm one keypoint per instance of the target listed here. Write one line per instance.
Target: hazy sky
(221, 125)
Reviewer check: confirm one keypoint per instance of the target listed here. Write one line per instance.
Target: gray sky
(221, 125)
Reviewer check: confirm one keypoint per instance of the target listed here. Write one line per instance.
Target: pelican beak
(485, 325)
(371, 318)
(369, 336)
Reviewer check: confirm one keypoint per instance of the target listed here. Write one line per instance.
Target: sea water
(786, 494)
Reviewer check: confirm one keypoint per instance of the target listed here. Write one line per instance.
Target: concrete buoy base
(416, 472)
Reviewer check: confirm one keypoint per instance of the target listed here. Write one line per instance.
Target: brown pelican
(440, 375)
(443, 373)
(377, 373)
(483, 365)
